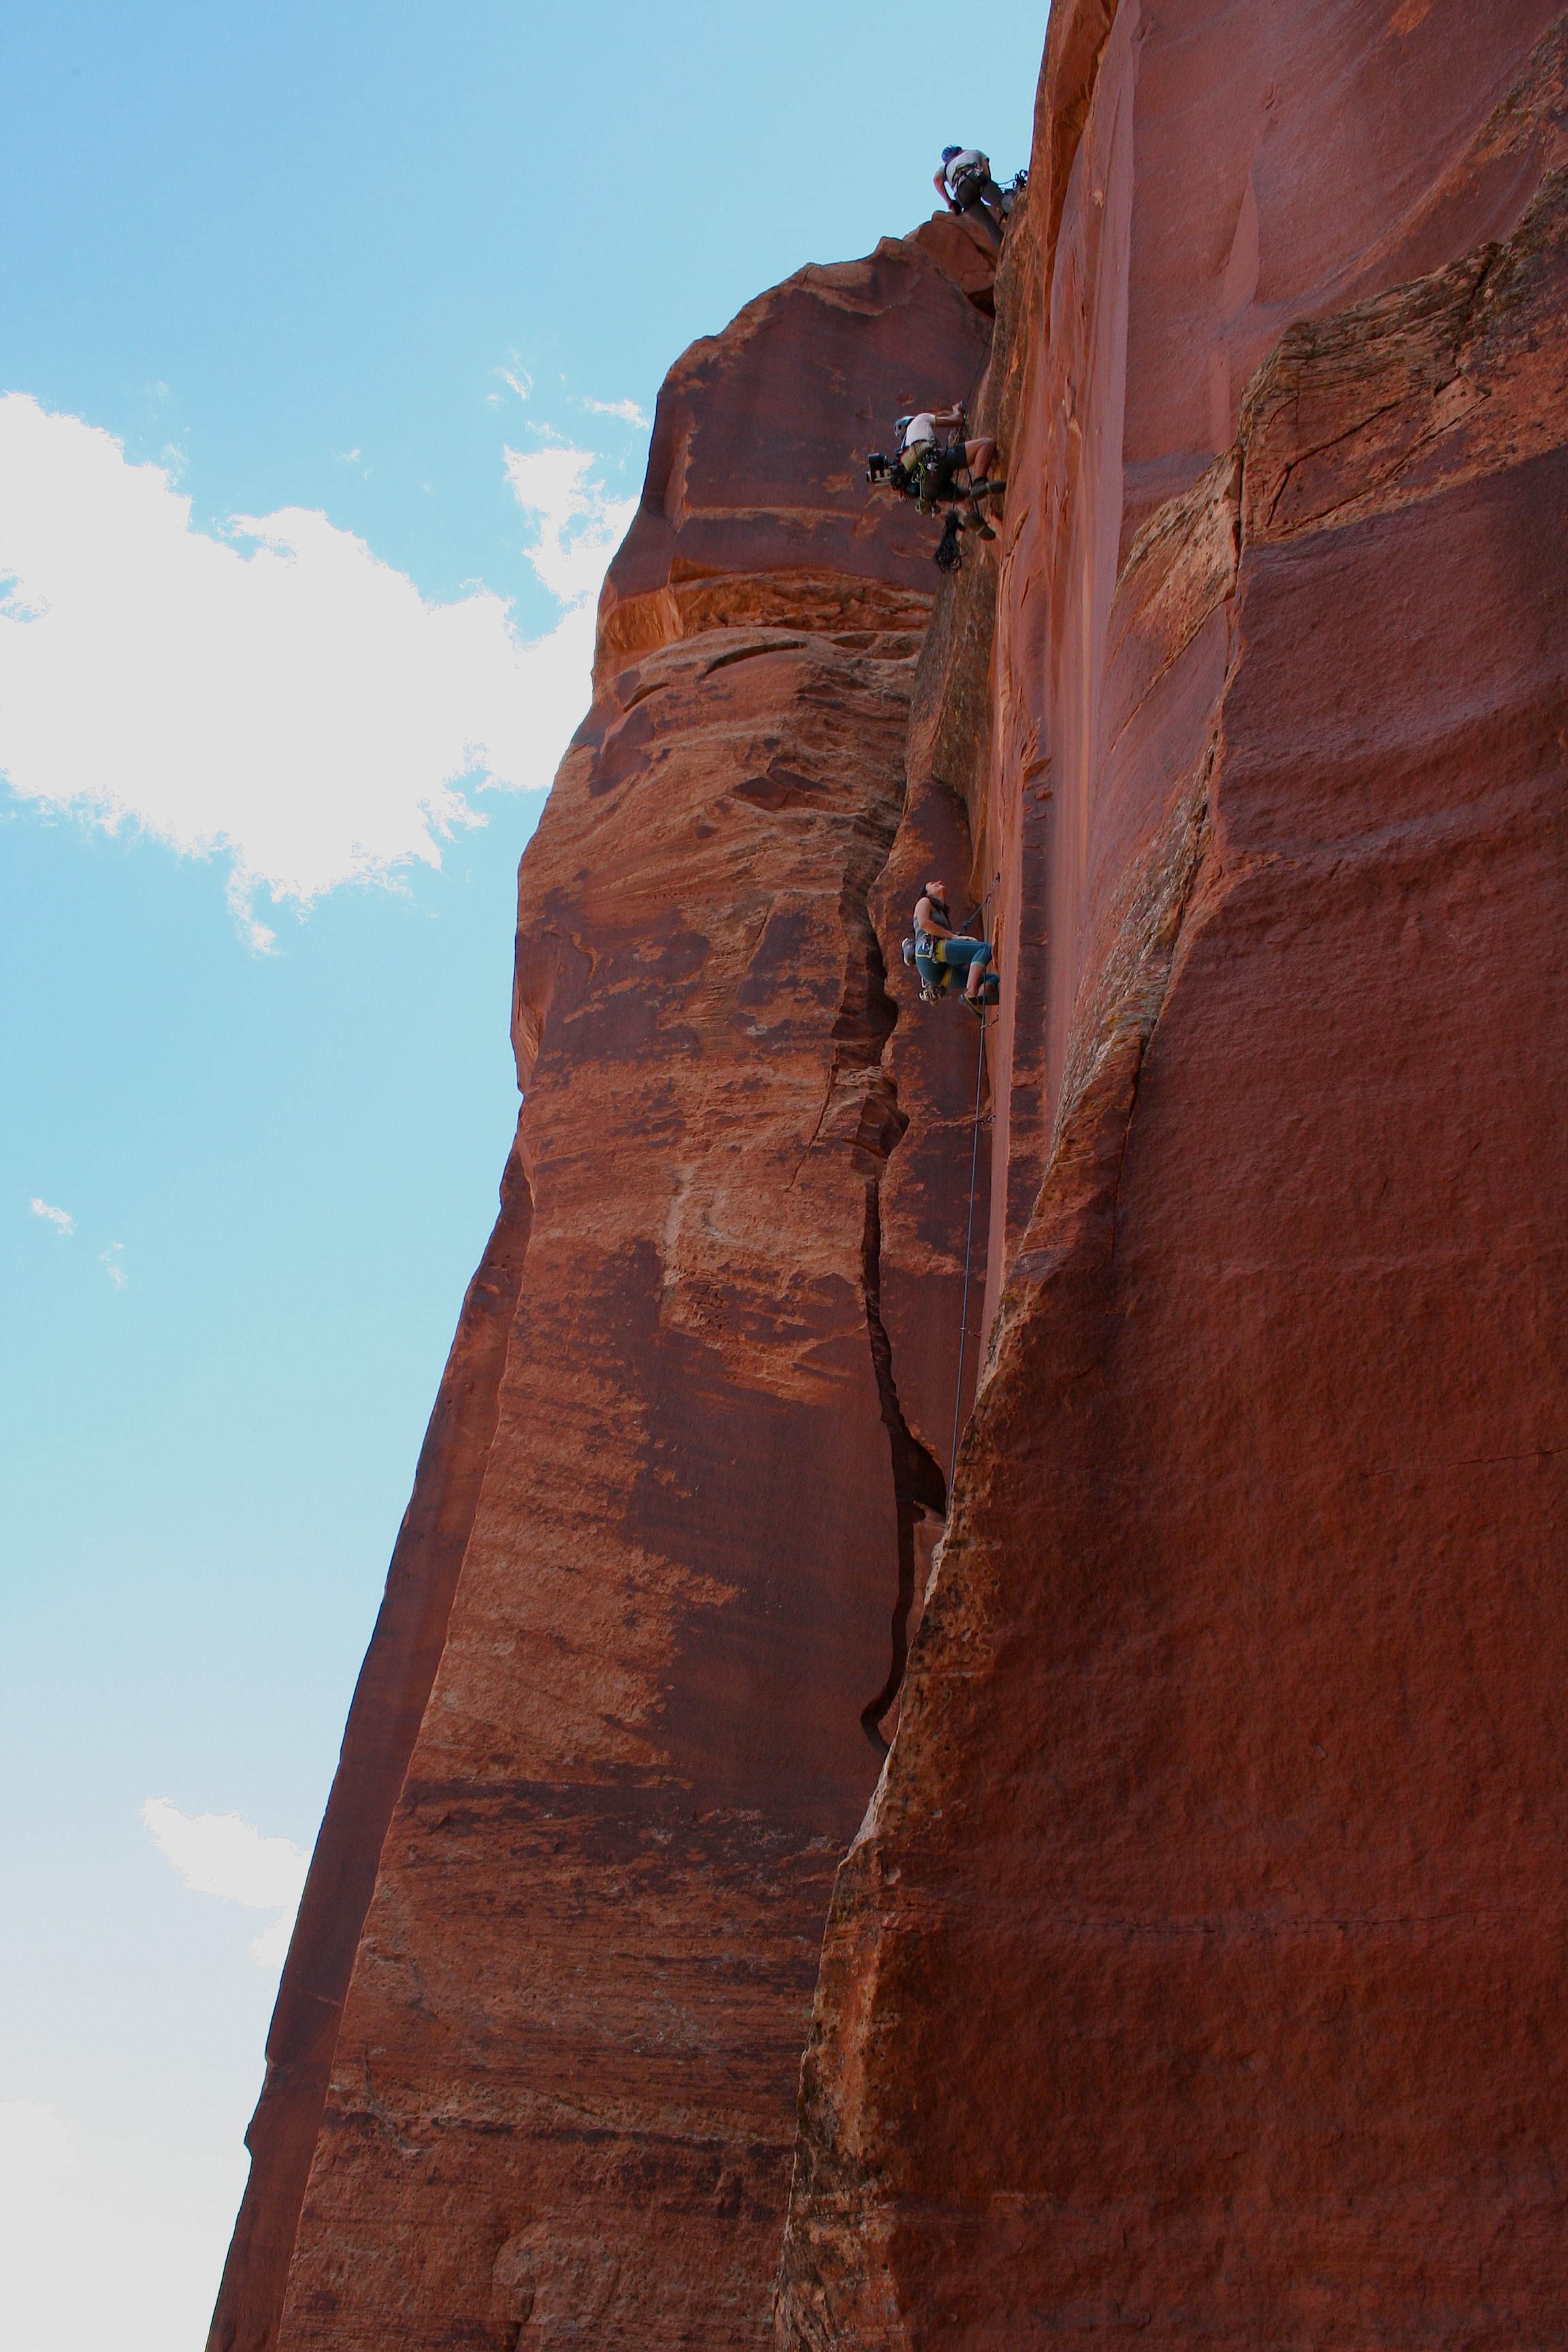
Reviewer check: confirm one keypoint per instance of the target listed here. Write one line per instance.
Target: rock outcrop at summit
(1198, 1972)
(620, 1714)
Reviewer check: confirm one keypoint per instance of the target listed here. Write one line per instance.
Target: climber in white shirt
(963, 181)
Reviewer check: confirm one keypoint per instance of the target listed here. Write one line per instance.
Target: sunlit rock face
(1193, 1964)
(1199, 1973)
(621, 1714)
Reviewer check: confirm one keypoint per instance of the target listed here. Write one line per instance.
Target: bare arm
(939, 182)
(928, 920)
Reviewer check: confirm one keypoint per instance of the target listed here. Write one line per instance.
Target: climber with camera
(928, 470)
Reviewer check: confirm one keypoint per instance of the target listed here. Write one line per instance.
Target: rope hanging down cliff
(968, 1252)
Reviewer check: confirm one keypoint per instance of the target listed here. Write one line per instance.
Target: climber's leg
(979, 457)
(996, 203)
(975, 210)
(978, 966)
(971, 956)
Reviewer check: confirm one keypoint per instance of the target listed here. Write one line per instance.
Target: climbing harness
(929, 968)
(937, 972)
(928, 472)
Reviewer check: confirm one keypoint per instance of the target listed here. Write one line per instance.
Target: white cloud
(61, 1219)
(111, 1261)
(579, 526)
(519, 380)
(222, 1855)
(627, 410)
(290, 701)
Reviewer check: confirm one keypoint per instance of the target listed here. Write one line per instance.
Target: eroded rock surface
(1199, 1972)
(620, 1717)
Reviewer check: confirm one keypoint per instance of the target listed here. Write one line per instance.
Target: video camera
(877, 467)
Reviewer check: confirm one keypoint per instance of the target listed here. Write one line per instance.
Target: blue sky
(394, 285)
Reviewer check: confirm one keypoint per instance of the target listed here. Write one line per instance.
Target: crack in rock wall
(1194, 1967)
(534, 2065)
(1196, 1971)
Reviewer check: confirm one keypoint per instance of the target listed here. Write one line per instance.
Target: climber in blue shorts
(940, 950)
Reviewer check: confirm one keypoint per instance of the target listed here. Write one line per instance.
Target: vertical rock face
(1199, 1969)
(620, 1715)
(1196, 1970)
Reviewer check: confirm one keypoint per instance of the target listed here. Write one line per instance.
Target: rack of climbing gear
(927, 470)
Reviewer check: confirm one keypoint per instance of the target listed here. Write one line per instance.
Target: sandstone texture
(620, 1715)
(1198, 1972)
(1156, 1846)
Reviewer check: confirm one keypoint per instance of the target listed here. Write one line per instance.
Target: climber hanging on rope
(927, 470)
(938, 950)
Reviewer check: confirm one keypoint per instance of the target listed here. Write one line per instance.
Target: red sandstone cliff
(1197, 1968)
(618, 1720)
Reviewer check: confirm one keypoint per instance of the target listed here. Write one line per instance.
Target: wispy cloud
(113, 1262)
(519, 380)
(580, 525)
(222, 1855)
(61, 1219)
(283, 699)
(627, 410)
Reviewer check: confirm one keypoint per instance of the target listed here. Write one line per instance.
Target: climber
(933, 469)
(963, 181)
(927, 470)
(938, 951)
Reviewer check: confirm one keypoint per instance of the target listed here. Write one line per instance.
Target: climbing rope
(968, 1249)
(979, 913)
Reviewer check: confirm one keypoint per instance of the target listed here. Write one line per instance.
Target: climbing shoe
(986, 530)
(976, 1007)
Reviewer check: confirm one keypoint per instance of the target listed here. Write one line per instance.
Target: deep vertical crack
(919, 1486)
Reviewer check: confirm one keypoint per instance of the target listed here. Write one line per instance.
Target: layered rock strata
(1198, 1970)
(620, 1714)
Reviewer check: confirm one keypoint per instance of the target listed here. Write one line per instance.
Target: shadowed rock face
(1199, 1970)
(619, 1718)
(755, 505)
